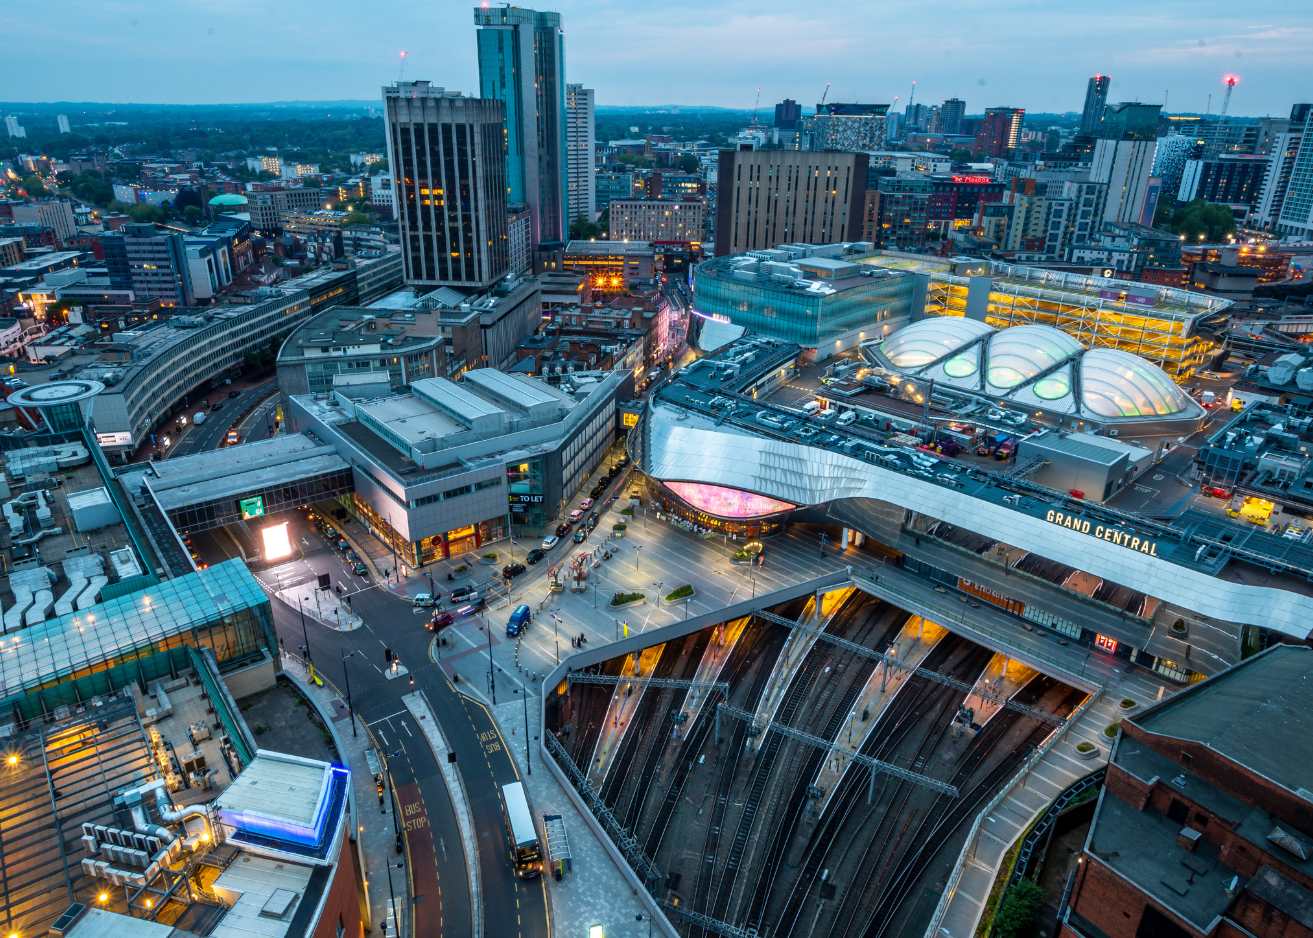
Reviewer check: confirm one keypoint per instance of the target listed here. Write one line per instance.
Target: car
(562, 529)
(342, 545)
(593, 519)
(575, 516)
(519, 620)
(217, 405)
(596, 491)
(552, 540)
(585, 504)
(534, 556)
(424, 600)
(512, 570)
(464, 594)
(580, 535)
(234, 394)
(439, 620)
(359, 569)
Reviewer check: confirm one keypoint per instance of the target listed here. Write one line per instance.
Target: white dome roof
(931, 339)
(1034, 366)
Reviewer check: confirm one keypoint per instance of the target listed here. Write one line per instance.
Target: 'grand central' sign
(1082, 526)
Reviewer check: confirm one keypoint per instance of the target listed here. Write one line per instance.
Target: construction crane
(401, 68)
(1230, 81)
(756, 107)
(824, 95)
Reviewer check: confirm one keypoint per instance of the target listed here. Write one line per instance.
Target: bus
(526, 848)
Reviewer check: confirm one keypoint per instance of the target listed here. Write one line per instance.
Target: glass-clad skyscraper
(522, 64)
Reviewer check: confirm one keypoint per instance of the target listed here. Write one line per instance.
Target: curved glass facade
(1019, 355)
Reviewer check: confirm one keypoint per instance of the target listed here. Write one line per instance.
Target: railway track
(917, 704)
(836, 700)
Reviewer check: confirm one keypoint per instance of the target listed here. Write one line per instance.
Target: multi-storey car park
(819, 765)
(830, 297)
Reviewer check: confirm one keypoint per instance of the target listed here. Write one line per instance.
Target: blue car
(519, 621)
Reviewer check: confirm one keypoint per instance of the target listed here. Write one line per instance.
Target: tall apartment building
(519, 239)
(999, 131)
(1230, 179)
(522, 64)
(769, 197)
(448, 159)
(580, 148)
(788, 113)
(61, 121)
(1123, 161)
(151, 262)
(55, 214)
(840, 126)
(1096, 101)
(951, 113)
(658, 219)
(14, 129)
(1170, 157)
(1281, 161)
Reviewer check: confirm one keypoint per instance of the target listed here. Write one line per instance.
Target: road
(511, 907)
(211, 433)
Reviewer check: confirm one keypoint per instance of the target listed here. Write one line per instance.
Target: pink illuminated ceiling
(726, 502)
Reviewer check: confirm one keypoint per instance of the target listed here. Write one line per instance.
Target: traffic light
(387, 655)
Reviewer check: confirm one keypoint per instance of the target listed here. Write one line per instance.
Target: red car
(1216, 491)
(440, 620)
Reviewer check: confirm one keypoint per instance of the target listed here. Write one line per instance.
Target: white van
(811, 408)
(423, 600)
(845, 418)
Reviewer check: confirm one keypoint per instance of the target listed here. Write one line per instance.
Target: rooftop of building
(170, 771)
(1257, 714)
(592, 247)
(344, 330)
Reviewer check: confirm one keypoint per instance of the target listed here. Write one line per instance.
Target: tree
(191, 214)
(582, 228)
(35, 188)
(960, 155)
(1200, 220)
(1018, 913)
(689, 163)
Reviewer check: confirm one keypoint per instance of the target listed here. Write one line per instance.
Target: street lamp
(528, 760)
(346, 678)
(556, 632)
(637, 549)
(304, 634)
(492, 677)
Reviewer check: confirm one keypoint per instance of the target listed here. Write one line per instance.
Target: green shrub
(1111, 729)
(619, 526)
(1084, 746)
(619, 599)
(1019, 912)
(490, 555)
(628, 511)
(679, 592)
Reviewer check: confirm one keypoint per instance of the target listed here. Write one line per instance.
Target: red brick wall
(1109, 902)
(343, 902)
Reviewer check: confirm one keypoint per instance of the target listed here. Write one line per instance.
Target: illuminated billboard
(723, 502)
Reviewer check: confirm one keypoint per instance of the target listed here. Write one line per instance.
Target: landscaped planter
(488, 560)
(1127, 704)
(619, 529)
(621, 600)
(680, 593)
(1086, 750)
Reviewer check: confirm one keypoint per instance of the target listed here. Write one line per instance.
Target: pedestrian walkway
(418, 706)
(374, 829)
(723, 639)
(323, 606)
(915, 641)
(594, 891)
(1055, 766)
(1001, 678)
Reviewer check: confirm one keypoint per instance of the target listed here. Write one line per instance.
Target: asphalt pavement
(211, 433)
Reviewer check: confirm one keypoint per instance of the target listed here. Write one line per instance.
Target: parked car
(576, 515)
(464, 594)
(439, 620)
(585, 504)
(232, 394)
(552, 540)
(535, 555)
(359, 569)
(512, 570)
(519, 620)
(580, 535)
(562, 530)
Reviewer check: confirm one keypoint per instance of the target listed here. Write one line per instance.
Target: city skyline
(308, 58)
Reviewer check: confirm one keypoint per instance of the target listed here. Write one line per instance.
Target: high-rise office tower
(1296, 217)
(951, 114)
(522, 64)
(1123, 161)
(770, 197)
(150, 261)
(1281, 163)
(448, 159)
(1096, 100)
(999, 131)
(839, 126)
(580, 148)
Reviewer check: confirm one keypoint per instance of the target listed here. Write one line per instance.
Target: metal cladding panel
(690, 451)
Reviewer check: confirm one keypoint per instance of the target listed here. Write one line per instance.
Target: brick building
(1205, 824)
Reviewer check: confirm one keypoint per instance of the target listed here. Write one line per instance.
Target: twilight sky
(1031, 53)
